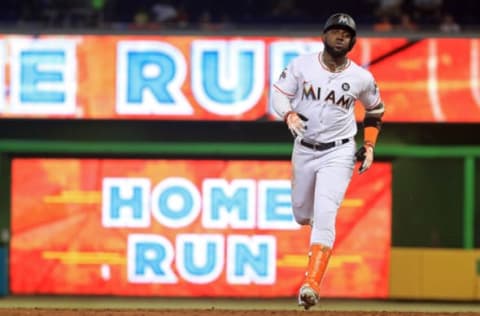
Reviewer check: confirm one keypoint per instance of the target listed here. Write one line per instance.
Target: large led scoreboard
(198, 228)
(221, 78)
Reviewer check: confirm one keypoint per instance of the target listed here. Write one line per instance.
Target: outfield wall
(435, 274)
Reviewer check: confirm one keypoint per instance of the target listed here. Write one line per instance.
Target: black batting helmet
(342, 20)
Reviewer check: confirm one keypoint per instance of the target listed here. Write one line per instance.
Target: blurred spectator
(427, 12)
(98, 12)
(449, 25)
(383, 25)
(407, 24)
(392, 9)
(77, 13)
(205, 21)
(183, 20)
(164, 12)
(52, 12)
(141, 20)
(287, 11)
(378, 15)
(282, 8)
(26, 14)
(225, 22)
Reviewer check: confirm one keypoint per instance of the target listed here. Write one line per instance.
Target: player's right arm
(282, 106)
(282, 94)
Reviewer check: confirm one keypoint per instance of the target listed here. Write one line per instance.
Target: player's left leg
(318, 258)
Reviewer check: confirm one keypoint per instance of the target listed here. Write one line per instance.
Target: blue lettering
(179, 210)
(244, 257)
(273, 205)
(208, 267)
(210, 69)
(162, 71)
(149, 256)
(149, 259)
(31, 76)
(228, 76)
(134, 203)
(238, 201)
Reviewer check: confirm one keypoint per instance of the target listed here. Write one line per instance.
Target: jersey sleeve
(287, 82)
(370, 96)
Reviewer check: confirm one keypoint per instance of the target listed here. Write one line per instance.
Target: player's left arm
(372, 124)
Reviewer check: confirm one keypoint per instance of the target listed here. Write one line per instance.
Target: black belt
(324, 146)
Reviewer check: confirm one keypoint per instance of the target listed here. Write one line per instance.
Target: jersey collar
(339, 69)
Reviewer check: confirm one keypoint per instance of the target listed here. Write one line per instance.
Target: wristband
(369, 144)
(370, 135)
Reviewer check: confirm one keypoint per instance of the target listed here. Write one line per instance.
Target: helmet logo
(343, 19)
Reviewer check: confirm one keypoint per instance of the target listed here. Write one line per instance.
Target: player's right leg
(303, 184)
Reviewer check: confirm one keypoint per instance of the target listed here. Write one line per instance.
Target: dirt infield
(208, 312)
(162, 306)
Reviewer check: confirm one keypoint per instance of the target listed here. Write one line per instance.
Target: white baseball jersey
(327, 98)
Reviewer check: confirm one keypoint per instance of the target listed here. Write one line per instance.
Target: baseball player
(315, 95)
